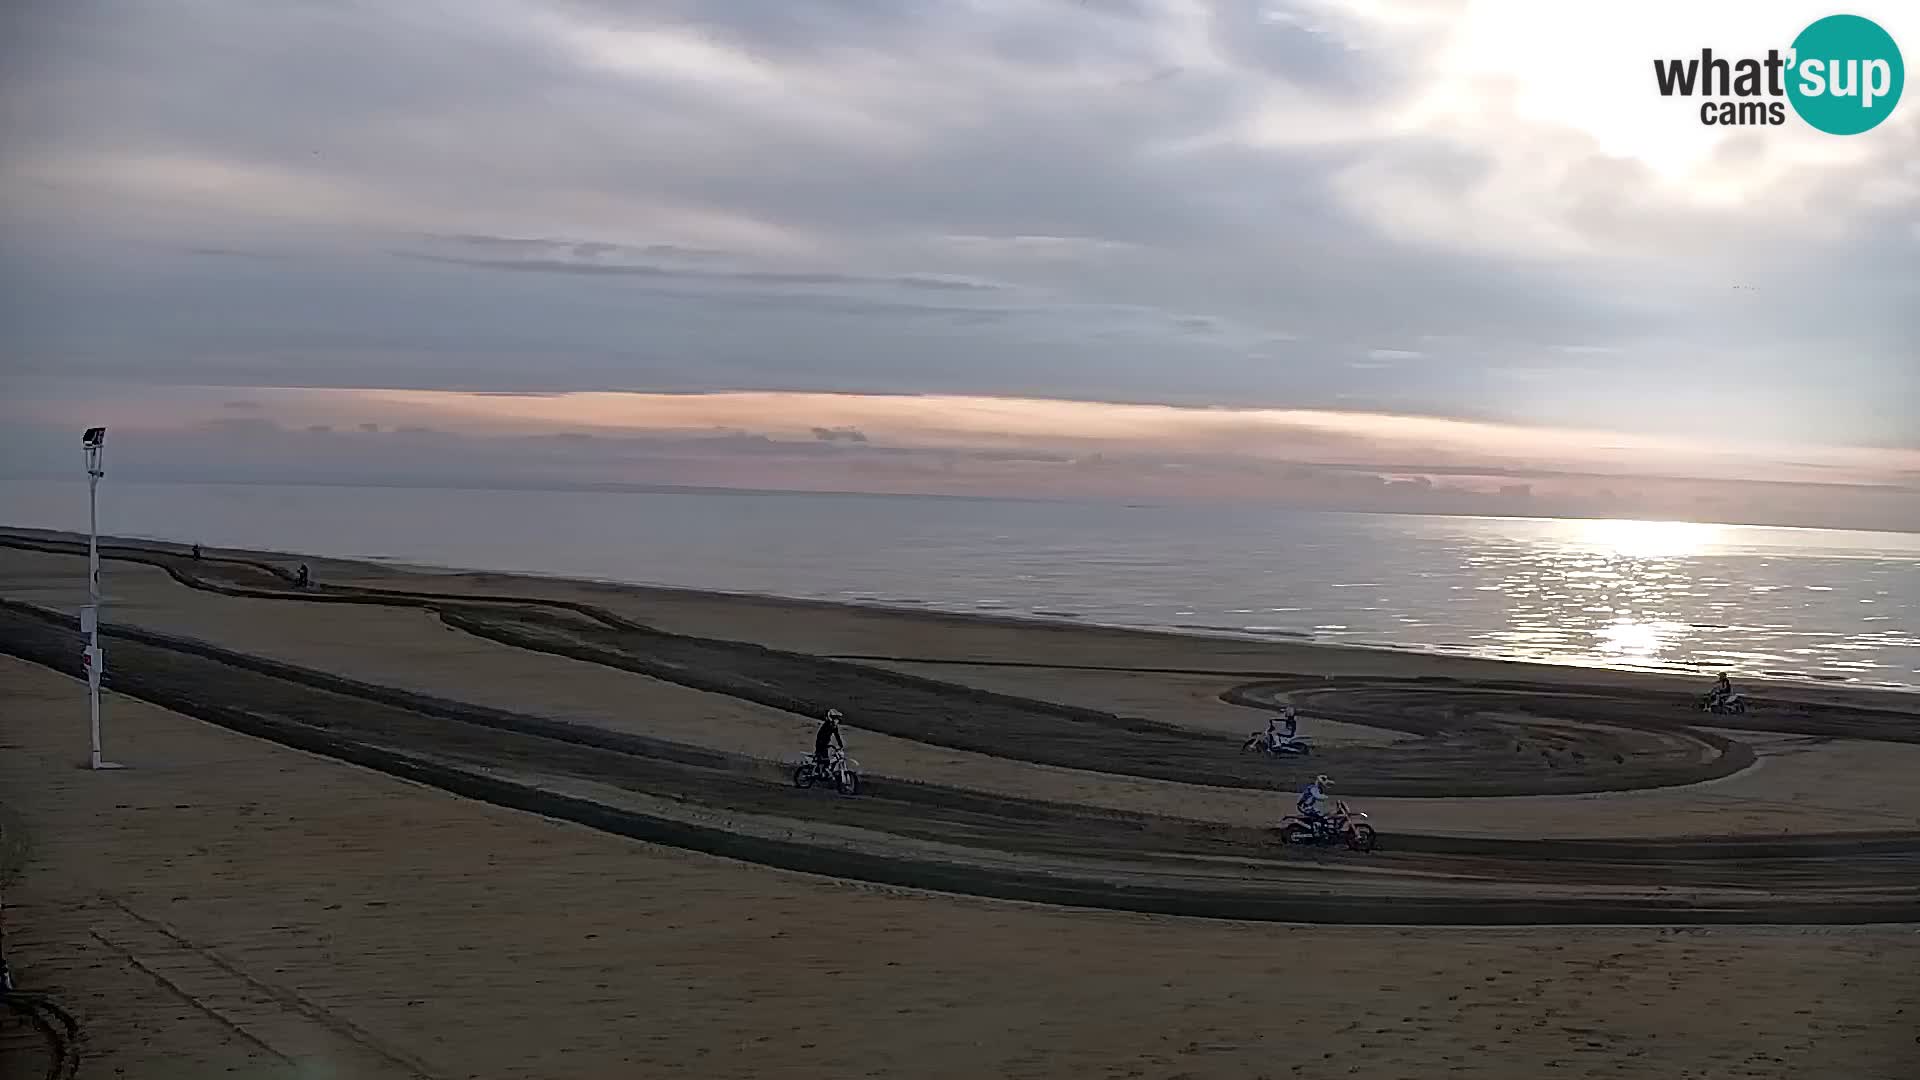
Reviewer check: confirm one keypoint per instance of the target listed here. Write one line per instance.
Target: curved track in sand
(1512, 738)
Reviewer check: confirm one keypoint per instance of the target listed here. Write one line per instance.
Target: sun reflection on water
(1632, 640)
(1647, 539)
(1616, 588)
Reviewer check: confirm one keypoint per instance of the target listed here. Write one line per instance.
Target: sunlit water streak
(1654, 595)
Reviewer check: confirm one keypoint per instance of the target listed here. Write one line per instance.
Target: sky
(1418, 255)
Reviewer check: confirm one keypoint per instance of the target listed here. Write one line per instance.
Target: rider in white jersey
(1312, 797)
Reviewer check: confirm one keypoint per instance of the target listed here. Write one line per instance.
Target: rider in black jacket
(827, 738)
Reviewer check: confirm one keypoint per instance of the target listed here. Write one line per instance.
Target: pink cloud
(1272, 435)
(1019, 446)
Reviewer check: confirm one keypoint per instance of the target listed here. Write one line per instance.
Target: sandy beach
(315, 858)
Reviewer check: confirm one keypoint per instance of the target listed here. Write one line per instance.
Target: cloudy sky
(1379, 254)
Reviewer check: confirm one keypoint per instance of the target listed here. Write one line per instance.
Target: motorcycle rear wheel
(1294, 832)
(803, 776)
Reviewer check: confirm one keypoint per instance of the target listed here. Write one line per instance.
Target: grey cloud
(241, 425)
(229, 253)
(925, 282)
(1309, 46)
(912, 122)
(839, 434)
(581, 249)
(1037, 456)
(1120, 9)
(781, 29)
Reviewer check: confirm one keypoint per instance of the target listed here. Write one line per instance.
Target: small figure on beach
(1310, 799)
(1282, 729)
(1722, 699)
(196, 552)
(828, 738)
(1281, 737)
(829, 763)
(302, 578)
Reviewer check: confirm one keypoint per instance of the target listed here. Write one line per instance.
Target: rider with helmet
(1281, 729)
(827, 738)
(1310, 800)
(1722, 688)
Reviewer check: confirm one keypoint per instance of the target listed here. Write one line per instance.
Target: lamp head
(95, 438)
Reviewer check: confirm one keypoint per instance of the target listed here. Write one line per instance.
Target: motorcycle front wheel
(847, 783)
(1361, 838)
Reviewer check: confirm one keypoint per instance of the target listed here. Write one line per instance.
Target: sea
(1670, 596)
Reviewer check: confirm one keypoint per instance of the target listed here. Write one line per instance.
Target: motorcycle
(842, 772)
(1340, 827)
(1732, 704)
(1293, 747)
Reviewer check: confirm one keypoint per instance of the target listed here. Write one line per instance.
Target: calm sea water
(1787, 602)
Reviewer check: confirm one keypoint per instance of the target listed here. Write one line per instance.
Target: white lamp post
(95, 442)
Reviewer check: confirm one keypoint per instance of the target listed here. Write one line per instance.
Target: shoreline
(628, 697)
(927, 612)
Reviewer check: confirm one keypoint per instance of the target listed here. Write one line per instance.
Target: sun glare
(1647, 539)
(1629, 639)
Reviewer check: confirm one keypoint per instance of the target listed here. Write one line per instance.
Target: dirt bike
(1339, 827)
(841, 771)
(1733, 704)
(1293, 747)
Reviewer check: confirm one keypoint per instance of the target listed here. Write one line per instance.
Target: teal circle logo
(1847, 75)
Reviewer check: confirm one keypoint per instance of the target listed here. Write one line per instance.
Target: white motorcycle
(1343, 826)
(1286, 747)
(1732, 704)
(842, 772)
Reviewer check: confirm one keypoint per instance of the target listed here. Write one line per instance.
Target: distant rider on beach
(827, 738)
(1281, 729)
(1310, 800)
(1722, 690)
